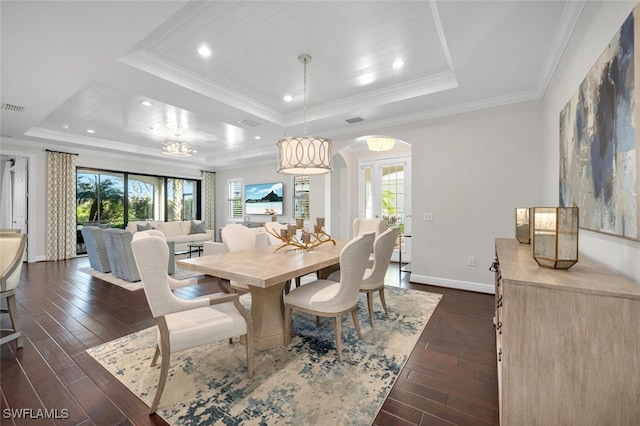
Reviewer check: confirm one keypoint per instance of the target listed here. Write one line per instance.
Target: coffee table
(195, 248)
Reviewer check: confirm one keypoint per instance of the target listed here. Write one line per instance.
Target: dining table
(266, 272)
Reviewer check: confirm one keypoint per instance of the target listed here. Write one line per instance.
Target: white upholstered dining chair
(12, 247)
(362, 226)
(185, 323)
(374, 277)
(325, 298)
(236, 237)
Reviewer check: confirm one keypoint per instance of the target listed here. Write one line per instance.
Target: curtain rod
(60, 152)
(207, 171)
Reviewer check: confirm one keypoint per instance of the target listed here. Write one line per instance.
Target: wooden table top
(262, 267)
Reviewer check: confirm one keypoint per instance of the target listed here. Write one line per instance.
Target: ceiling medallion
(177, 148)
(305, 155)
(380, 144)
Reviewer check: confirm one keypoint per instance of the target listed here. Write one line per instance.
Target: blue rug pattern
(302, 384)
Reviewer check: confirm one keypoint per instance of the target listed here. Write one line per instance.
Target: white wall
(595, 29)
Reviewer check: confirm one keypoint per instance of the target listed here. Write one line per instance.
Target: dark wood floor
(450, 377)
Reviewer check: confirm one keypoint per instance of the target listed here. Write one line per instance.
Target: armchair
(12, 247)
(123, 265)
(332, 299)
(185, 323)
(96, 248)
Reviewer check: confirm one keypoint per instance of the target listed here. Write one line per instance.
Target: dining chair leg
(338, 330)
(164, 372)
(370, 306)
(15, 321)
(384, 303)
(155, 356)
(356, 323)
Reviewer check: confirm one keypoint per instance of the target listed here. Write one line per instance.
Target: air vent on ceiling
(13, 108)
(354, 120)
(249, 123)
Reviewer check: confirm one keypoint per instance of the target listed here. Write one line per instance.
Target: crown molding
(152, 64)
(437, 113)
(568, 20)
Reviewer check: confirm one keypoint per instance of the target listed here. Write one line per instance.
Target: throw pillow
(145, 227)
(197, 228)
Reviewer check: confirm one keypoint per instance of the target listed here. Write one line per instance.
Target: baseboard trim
(460, 285)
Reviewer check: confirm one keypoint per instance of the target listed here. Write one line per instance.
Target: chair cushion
(313, 294)
(200, 326)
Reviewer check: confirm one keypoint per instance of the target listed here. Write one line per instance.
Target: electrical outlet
(471, 261)
(428, 217)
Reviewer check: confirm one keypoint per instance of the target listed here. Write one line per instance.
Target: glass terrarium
(523, 224)
(555, 236)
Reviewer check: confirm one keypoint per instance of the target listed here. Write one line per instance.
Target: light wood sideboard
(567, 342)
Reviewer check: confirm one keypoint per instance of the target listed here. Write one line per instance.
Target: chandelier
(177, 148)
(305, 155)
(380, 144)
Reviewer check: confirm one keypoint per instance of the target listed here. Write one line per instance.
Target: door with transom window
(384, 188)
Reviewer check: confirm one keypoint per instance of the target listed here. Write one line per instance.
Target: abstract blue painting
(599, 158)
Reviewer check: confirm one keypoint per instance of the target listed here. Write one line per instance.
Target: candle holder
(555, 236)
(307, 241)
(524, 216)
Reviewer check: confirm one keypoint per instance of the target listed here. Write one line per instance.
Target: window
(113, 199)
(181, 200)
(301, 197)
(144, 195)
(100, 198)
(235, 199)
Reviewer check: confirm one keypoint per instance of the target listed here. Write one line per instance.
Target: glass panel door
(385, 192)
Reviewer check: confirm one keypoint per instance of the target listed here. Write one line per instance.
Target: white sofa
(177, 231)
(212, 247)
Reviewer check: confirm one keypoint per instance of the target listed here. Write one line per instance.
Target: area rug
(302, 384)
(180, 274)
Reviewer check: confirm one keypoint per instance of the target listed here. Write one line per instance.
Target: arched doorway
(374, 184)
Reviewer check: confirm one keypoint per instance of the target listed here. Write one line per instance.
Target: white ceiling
(83, 65)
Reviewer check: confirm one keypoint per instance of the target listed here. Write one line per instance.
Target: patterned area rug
(180, 274)
(303, 384)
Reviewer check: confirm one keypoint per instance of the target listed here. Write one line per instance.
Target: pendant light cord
(305, 96)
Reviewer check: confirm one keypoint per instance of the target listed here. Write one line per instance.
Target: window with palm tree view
(111, 199)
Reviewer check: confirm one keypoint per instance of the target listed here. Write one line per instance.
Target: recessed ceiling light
(90, 131)
(65, 126)
(398, 63)
(365, 79)
(204, 51)
(146, 103)
(288, 98)
(257, 138)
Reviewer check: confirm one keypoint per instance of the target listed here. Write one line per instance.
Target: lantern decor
(307, 240)
(555, 236)
(524, 215)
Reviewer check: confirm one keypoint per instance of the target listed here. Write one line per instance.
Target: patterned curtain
(61, 206)
(209, 200)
